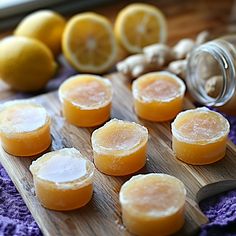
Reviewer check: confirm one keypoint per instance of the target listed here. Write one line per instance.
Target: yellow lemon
(25, 64)
(139, 25)
(46, 26)
(89, 44)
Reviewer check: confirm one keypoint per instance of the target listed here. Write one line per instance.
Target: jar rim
(225, 62)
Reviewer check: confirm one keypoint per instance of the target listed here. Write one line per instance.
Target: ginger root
(182, 51)
(159, 53)
(154, 58)
(136, 65)
(178, 67)
(157, 56)
(182, 48)
(213, 85)
(202, 37)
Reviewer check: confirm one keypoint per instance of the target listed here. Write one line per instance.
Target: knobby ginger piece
(185, 46)
(213, 85)
(161, 54)
(202, 37)
(178, 67)
(136, 65)
(182, 48)
(157, 56)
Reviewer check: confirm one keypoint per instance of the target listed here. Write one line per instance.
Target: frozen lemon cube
(119, 147)
(63, 179)
(24, 128)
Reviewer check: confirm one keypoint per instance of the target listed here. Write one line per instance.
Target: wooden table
(185, 19)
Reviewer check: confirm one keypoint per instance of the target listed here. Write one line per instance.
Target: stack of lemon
(89, 43)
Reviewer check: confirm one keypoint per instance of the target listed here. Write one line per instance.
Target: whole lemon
(25, 64)
(46, 26)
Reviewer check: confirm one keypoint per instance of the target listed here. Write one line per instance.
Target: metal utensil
(205, 192)
(213, 189)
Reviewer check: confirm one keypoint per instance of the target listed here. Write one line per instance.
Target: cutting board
(102, 216)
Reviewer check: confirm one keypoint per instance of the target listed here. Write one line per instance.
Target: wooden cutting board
(102, 216)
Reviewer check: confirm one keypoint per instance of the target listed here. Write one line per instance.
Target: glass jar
(211, 74)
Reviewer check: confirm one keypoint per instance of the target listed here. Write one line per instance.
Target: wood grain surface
(102, 216)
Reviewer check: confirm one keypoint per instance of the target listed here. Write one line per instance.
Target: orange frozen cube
(24, 128)
(158, 96)
(63, 179)
(199, 136)
(86, 100)
(153, 204)
(119, 147)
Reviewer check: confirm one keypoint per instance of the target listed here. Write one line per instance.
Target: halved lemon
(139, 25)
(89, 43)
